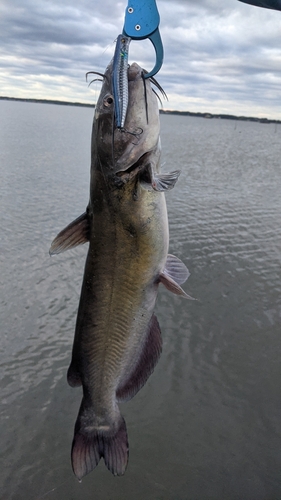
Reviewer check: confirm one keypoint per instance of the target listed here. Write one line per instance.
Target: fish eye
(108, 101)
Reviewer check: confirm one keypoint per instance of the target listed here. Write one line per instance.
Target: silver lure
(120, 79)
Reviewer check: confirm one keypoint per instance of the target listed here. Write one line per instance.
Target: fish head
(119, 149)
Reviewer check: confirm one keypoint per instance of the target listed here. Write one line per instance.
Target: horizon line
(199, 114)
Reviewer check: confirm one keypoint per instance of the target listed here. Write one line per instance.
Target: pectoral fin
(175, 273)
(164, 182)
(176, 269)
(76, 233)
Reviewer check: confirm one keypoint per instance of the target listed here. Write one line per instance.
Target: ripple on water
(207, 423)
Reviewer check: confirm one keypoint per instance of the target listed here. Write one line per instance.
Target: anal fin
(76, 233)
(145, 366)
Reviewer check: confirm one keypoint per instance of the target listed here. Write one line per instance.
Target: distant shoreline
(221, 116)
(162, 111)
(48, 101)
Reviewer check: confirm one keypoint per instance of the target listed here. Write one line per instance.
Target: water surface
(207, 423)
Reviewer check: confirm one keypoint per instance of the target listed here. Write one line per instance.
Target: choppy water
(207, 425)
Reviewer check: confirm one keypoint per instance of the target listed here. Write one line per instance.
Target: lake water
(207, 425)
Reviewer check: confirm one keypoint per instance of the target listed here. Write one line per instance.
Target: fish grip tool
(141, 21)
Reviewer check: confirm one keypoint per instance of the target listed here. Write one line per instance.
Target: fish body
(117, 339)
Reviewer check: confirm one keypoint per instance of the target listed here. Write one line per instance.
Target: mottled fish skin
(117, 338)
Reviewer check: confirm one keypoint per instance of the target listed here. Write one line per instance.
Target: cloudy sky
(221, 56)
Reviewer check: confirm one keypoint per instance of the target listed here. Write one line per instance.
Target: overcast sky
(221, 56)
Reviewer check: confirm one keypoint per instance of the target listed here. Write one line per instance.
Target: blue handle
(155, 38)
(141, 19)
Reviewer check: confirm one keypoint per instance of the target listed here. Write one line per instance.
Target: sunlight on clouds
(221, 57)
(219, 106)
(44, 86)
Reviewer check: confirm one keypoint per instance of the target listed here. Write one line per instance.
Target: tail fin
(89, 446)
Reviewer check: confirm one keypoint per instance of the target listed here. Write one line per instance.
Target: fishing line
(107, 47)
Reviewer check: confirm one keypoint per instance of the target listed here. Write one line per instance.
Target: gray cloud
(219, 56)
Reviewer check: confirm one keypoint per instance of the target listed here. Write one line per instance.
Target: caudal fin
(89, 446)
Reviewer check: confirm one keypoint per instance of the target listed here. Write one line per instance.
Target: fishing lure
(120, 79)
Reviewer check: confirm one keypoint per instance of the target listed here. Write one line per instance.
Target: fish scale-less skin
(119, 292)
(118, 340)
